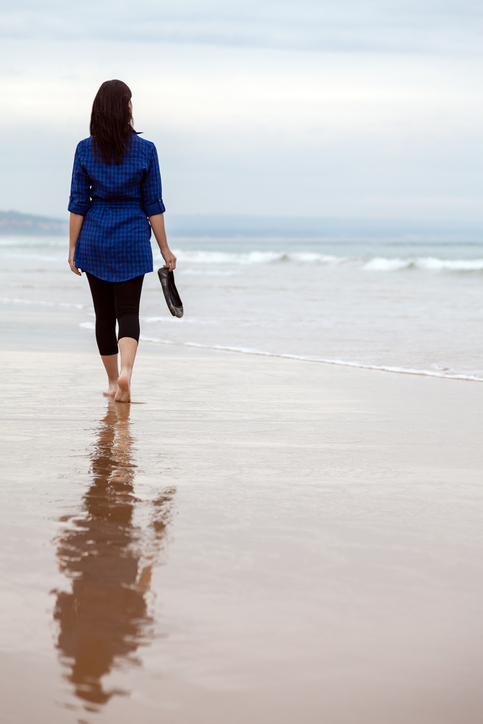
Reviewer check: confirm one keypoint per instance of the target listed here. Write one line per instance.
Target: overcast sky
(318, 108)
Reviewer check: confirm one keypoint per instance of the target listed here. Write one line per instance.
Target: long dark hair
(111, 121)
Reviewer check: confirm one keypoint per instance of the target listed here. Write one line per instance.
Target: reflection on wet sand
(104, 619)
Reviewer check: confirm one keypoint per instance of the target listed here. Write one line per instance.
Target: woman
(116, 188)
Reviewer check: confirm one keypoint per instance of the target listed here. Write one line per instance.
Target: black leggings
(115, 300)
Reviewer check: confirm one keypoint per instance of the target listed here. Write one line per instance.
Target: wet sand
(255, 540)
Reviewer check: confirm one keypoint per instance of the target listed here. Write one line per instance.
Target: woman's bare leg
(110, 364)
(128, 348)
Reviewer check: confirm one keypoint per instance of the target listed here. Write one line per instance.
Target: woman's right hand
(157, 225)
(169, 258)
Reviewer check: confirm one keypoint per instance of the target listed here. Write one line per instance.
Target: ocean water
(397, 306)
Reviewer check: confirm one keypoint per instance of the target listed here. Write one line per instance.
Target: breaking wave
(379, 264)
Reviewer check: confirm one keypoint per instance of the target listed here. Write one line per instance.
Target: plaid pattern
(115, 200)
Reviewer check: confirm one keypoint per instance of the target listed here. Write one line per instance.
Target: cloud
(429, 26)
(385, 122)
(254, 130)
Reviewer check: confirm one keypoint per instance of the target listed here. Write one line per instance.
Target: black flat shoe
(175, 305)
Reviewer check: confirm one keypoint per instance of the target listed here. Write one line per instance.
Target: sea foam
(303, 358)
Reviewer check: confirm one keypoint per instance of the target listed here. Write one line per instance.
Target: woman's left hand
(73, 266)
(75, 225)
(169, 258)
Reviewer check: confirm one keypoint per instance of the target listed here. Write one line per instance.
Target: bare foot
(123, 393)
(111, 390)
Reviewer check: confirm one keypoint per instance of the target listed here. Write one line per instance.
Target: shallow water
(414, 307)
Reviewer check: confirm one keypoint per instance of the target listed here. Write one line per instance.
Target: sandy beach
(253, 540)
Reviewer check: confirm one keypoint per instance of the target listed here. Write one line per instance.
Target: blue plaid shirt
(114, 242)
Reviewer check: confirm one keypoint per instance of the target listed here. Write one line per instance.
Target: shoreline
(338, 363)
(258, 540)
(59, 308)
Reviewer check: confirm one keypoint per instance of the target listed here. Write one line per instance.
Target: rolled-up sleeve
(79, 201)
(152, 199)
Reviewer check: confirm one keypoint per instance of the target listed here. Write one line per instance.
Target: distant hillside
(13, 223)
